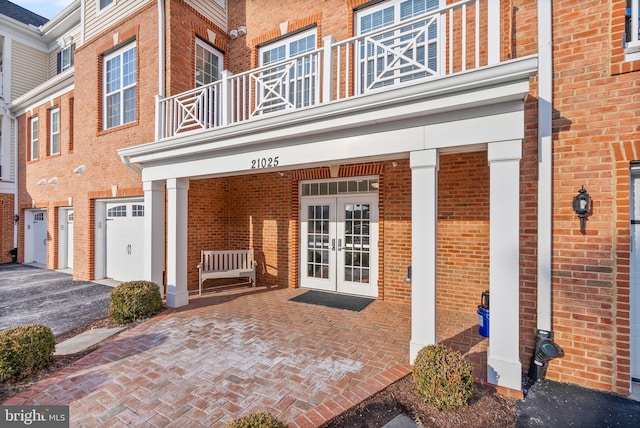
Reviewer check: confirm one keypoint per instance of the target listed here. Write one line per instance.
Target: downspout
(16, 202)
(545, 348)
(161, 47)
(161, 80)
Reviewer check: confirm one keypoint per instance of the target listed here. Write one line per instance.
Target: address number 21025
(265, 162)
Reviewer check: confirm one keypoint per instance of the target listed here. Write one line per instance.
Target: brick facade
(6, 226)
(595, 137)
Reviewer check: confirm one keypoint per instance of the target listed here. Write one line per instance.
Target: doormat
(333, 300)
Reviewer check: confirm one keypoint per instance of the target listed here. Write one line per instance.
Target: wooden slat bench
(227, 264)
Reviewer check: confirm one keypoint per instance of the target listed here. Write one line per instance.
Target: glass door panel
(318, 243)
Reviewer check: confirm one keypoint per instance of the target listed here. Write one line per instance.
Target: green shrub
(134, 300)
(443, 377)
(25, 350)
(257, 420)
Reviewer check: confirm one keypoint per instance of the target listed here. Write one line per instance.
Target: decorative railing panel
(459, 37)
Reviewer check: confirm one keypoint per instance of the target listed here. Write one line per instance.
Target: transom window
(292, 85)
(397, 56)
(323, 188)
(54, 131)
(34, 138)
(209, 63)
(120, 87)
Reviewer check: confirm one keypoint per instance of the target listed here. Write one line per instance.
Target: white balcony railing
(453, 39)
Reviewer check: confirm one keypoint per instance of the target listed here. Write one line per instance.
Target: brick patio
(235, 352)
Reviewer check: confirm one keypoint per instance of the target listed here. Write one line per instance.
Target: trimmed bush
(25, 350)
(134, 300)
(257, 420)
(443, 377)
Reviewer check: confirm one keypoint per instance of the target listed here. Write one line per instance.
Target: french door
(339, 244)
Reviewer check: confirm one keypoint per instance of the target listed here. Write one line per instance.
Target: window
(54, 131)
(65, 58)
(417, 44)
(137, 210)
(117, 211)
(120, 87)
(209, 63)
(33, 146)
(631, 23)
(102, 4)
(293, 88)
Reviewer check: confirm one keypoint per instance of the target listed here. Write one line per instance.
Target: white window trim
(52, 134)
(632, 47)
(122, 88)
(34, 153)
(207, 47)
(100, 10)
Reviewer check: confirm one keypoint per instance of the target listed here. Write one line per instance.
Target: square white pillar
(153, 268)
(424, 209)
(503, 360)
(177, 222)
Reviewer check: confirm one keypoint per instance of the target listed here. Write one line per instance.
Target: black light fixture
(16, 218)
(582, 205)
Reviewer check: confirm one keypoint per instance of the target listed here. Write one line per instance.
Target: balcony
(453, 40)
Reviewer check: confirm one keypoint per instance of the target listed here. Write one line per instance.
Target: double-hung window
(33, 143)
(119, 91)
(54, 131)
(293, 84)
(406, 53)
(65, 58)
(209, 64)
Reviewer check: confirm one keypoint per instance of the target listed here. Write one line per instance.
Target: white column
(154, 232)
(424, 205)
(503, 362)
(177, 222)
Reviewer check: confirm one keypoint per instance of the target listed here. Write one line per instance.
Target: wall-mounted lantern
(582, 205)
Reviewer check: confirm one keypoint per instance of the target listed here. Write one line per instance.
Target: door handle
(333, 244)
(340, 248)
(44, 242)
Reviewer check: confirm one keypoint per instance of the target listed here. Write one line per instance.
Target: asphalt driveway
(33, 295)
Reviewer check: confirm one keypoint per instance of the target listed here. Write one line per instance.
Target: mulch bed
(485, 409)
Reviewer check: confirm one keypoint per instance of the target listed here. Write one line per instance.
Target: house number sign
(265, 162)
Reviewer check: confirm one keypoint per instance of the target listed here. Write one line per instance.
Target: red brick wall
(596, 137)
(88, 144)
(463, 231)
(6, 226)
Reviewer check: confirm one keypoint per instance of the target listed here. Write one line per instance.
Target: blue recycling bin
(483, 321)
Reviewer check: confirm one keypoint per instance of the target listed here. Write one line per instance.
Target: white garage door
(125, 244)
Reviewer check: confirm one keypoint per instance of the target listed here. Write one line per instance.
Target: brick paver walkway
(233, 353)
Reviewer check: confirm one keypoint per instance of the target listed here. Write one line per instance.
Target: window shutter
(59, 56)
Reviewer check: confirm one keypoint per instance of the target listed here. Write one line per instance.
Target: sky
(46, 8)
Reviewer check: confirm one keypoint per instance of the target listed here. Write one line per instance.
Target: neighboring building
(406, 150)
(20, 52)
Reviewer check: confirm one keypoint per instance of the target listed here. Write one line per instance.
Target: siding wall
(95, 22)
(211, 10)
(28, 68)
(53, 54)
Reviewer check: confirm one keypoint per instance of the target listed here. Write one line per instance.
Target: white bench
(227, 264)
